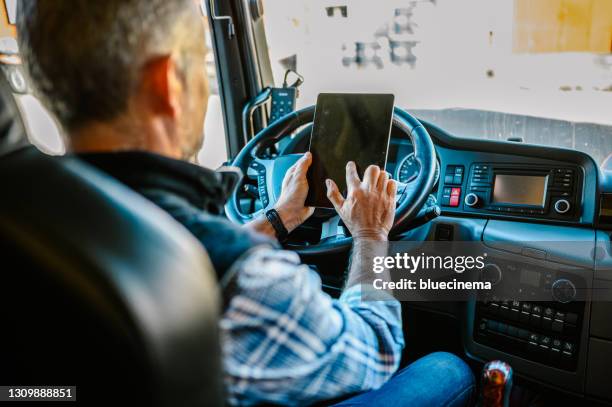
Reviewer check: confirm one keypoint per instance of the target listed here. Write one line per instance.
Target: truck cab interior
(483, 99)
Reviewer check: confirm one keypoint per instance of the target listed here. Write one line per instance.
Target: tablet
(347, 127)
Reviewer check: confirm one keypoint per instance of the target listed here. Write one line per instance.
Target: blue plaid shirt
(287, 342)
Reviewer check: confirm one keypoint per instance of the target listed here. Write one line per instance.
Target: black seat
(99, 288)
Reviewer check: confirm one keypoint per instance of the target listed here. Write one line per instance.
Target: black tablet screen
(347, 127)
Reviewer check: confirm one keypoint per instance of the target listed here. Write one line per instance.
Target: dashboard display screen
(347, 127)
(520, 189)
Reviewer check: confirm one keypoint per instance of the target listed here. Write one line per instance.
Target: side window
(214, 149)
(42, 127)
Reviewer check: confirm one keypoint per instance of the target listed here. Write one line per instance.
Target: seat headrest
(124, 294)
(13, 134)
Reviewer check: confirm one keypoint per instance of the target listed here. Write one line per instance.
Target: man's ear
(161, 87)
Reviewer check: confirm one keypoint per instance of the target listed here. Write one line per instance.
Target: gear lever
(496, 384)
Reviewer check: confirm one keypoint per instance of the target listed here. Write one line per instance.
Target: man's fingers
(301, 166)
(370, 177)
(352, 178)
(334, 195)
(391, 188)
(288, 178)
(382, 181)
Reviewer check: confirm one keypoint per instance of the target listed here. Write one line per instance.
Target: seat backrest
(99, 288)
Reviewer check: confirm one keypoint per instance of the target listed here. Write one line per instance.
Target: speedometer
(408, 169)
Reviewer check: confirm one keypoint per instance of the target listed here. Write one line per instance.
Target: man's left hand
(291, 203)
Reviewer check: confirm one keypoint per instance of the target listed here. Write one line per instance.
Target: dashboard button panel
(523, 317)
(554, 344)
(451, 191)
(535, 330)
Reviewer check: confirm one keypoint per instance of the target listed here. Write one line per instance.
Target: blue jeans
(439, 379)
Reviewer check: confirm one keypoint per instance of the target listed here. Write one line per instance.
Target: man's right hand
(369, 208)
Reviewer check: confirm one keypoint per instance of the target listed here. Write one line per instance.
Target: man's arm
(287, 342)
(368, 212)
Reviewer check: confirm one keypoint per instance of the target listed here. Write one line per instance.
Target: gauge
(409, 168)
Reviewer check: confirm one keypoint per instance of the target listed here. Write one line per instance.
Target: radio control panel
(510, 189)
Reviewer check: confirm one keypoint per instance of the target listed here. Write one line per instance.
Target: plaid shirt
(287, 342)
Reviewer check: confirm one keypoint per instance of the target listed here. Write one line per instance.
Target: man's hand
(290, 204)
(369, 208)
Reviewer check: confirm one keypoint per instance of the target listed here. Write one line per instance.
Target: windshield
(498, 69)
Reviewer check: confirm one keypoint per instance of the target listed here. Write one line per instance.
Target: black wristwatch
(275, 220)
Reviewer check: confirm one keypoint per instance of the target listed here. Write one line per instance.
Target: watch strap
(277, 224)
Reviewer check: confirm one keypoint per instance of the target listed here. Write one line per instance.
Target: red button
(456, 192)
(454, 201)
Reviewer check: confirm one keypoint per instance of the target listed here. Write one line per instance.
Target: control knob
(471, 200)
(563, 290)
(562, 206)
(491, 273)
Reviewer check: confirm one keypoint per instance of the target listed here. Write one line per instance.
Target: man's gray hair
(84, 57)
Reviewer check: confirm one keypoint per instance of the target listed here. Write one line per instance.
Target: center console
(531, 204)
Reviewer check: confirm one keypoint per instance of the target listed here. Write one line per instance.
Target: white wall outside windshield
(464, 59)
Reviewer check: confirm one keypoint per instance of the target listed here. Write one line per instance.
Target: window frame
(242, 63)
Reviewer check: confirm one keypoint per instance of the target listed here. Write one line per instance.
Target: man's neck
(115, 136)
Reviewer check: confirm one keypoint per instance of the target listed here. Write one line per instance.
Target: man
(126, 79)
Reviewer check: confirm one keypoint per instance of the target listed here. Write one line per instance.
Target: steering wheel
(270, 174)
